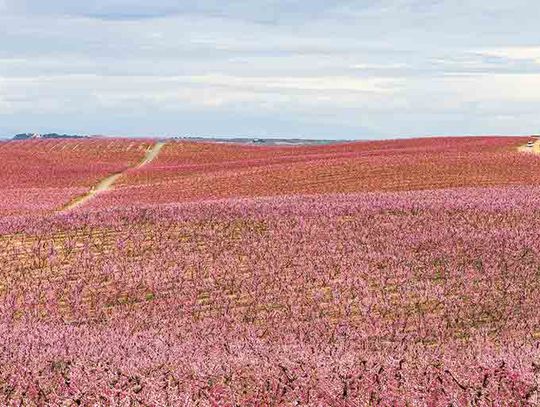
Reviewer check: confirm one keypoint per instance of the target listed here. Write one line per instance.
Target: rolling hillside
(370, 273)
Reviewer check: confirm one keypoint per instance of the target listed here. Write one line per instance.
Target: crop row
(42, 175)
(413, 298)
(202, 171)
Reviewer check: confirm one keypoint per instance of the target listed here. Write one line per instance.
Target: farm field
(42, 175)
(200, 171)
(384, 273)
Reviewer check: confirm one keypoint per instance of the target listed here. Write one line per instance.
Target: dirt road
(108, 182)
(535, 149)
(151, 154)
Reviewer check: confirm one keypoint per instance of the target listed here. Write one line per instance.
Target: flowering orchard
(404, 298)
(201, 171)
(42, 175)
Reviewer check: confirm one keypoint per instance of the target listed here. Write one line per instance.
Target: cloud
(529, 54)
(381, 68)
(47, 93)
(261, 10)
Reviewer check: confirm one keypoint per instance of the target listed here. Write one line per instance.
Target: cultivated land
(357, 274)
(41, 176)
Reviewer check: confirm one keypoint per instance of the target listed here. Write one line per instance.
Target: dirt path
(535, 149)
(151, 154)
(107, 183)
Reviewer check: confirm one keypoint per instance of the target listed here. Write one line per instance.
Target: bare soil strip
(107, 183)
(535, 149)
(151, 154)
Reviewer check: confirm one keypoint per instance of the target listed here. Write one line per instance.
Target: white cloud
(411, 66)
(502, 88)
(516, 53)
(39, 93)
(319, 83)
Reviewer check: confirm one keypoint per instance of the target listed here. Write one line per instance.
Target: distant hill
(266, 141)
(236, 140)
(28, 136)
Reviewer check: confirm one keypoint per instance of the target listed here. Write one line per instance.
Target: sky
(334, 69)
